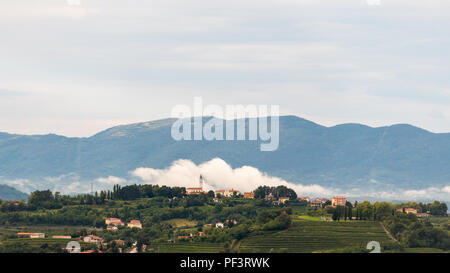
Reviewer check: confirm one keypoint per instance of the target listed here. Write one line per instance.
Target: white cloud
(415, 193)
(111, 180)
(446, 189)
(427, 194)
(353, 63)
(220, 175)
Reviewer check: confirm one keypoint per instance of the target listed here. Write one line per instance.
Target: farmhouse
(191, 191)
(119, 242)
(338, 201)
(31, 235)
(93, 239)
(407, 210)
(269, 197)
(249, 195)
(420, 215)
(112, 228)
(24, 234)
(227, 193)
(315, 204)
(283, 200)
(114, 222)
(62, 237)
(323, 200)
(135, 224)
(303, 199)
(91, 251)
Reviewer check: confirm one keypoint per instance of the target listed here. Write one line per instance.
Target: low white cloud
(418, 195)
(111, 180)
(220, 175)
(446, 189)
(20, 184)
(72, 188)
(62, 178)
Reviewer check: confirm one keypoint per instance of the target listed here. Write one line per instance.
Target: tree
(39, 197)
(262, 191)
(365, 211)
(438, 208)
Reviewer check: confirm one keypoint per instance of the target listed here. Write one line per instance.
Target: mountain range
(10, 193)
(345, 156)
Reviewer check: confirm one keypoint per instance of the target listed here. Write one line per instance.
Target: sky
(75, 70)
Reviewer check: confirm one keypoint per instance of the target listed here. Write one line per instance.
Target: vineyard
(304, 236)
(312, 236)
(38, 242)
(188, 247)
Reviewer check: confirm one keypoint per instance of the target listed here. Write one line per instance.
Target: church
(196, 190)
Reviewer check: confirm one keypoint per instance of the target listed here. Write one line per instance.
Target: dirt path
(236, 245)
(388, 233)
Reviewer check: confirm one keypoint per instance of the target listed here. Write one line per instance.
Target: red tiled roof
(91, 251)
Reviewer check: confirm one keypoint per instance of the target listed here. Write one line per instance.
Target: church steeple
(201, 182)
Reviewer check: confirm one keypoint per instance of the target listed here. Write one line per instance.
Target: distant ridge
(346, 155)
(9, 193)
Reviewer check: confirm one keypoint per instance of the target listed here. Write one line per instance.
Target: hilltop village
(152, 218)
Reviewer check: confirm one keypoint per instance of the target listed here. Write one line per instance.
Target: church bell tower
(201, 182)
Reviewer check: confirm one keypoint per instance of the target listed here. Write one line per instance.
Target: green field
(424, 250)
(314, 236)
(309, 218)
(188, 247)
(179, 222)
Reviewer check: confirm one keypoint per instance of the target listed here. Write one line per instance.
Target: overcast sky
(77, 70)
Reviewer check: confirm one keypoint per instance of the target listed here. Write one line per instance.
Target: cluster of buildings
(413, 211)
(276, 201)
(191, 235)
(217, 193)
(114, 223)
(320, 202)
(38, 235)
(226, 193)
(31, 235)
(93, 239)
(222, 225)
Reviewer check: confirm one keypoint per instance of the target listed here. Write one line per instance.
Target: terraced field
(188, 247)
(37, 242)
(311, 236)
